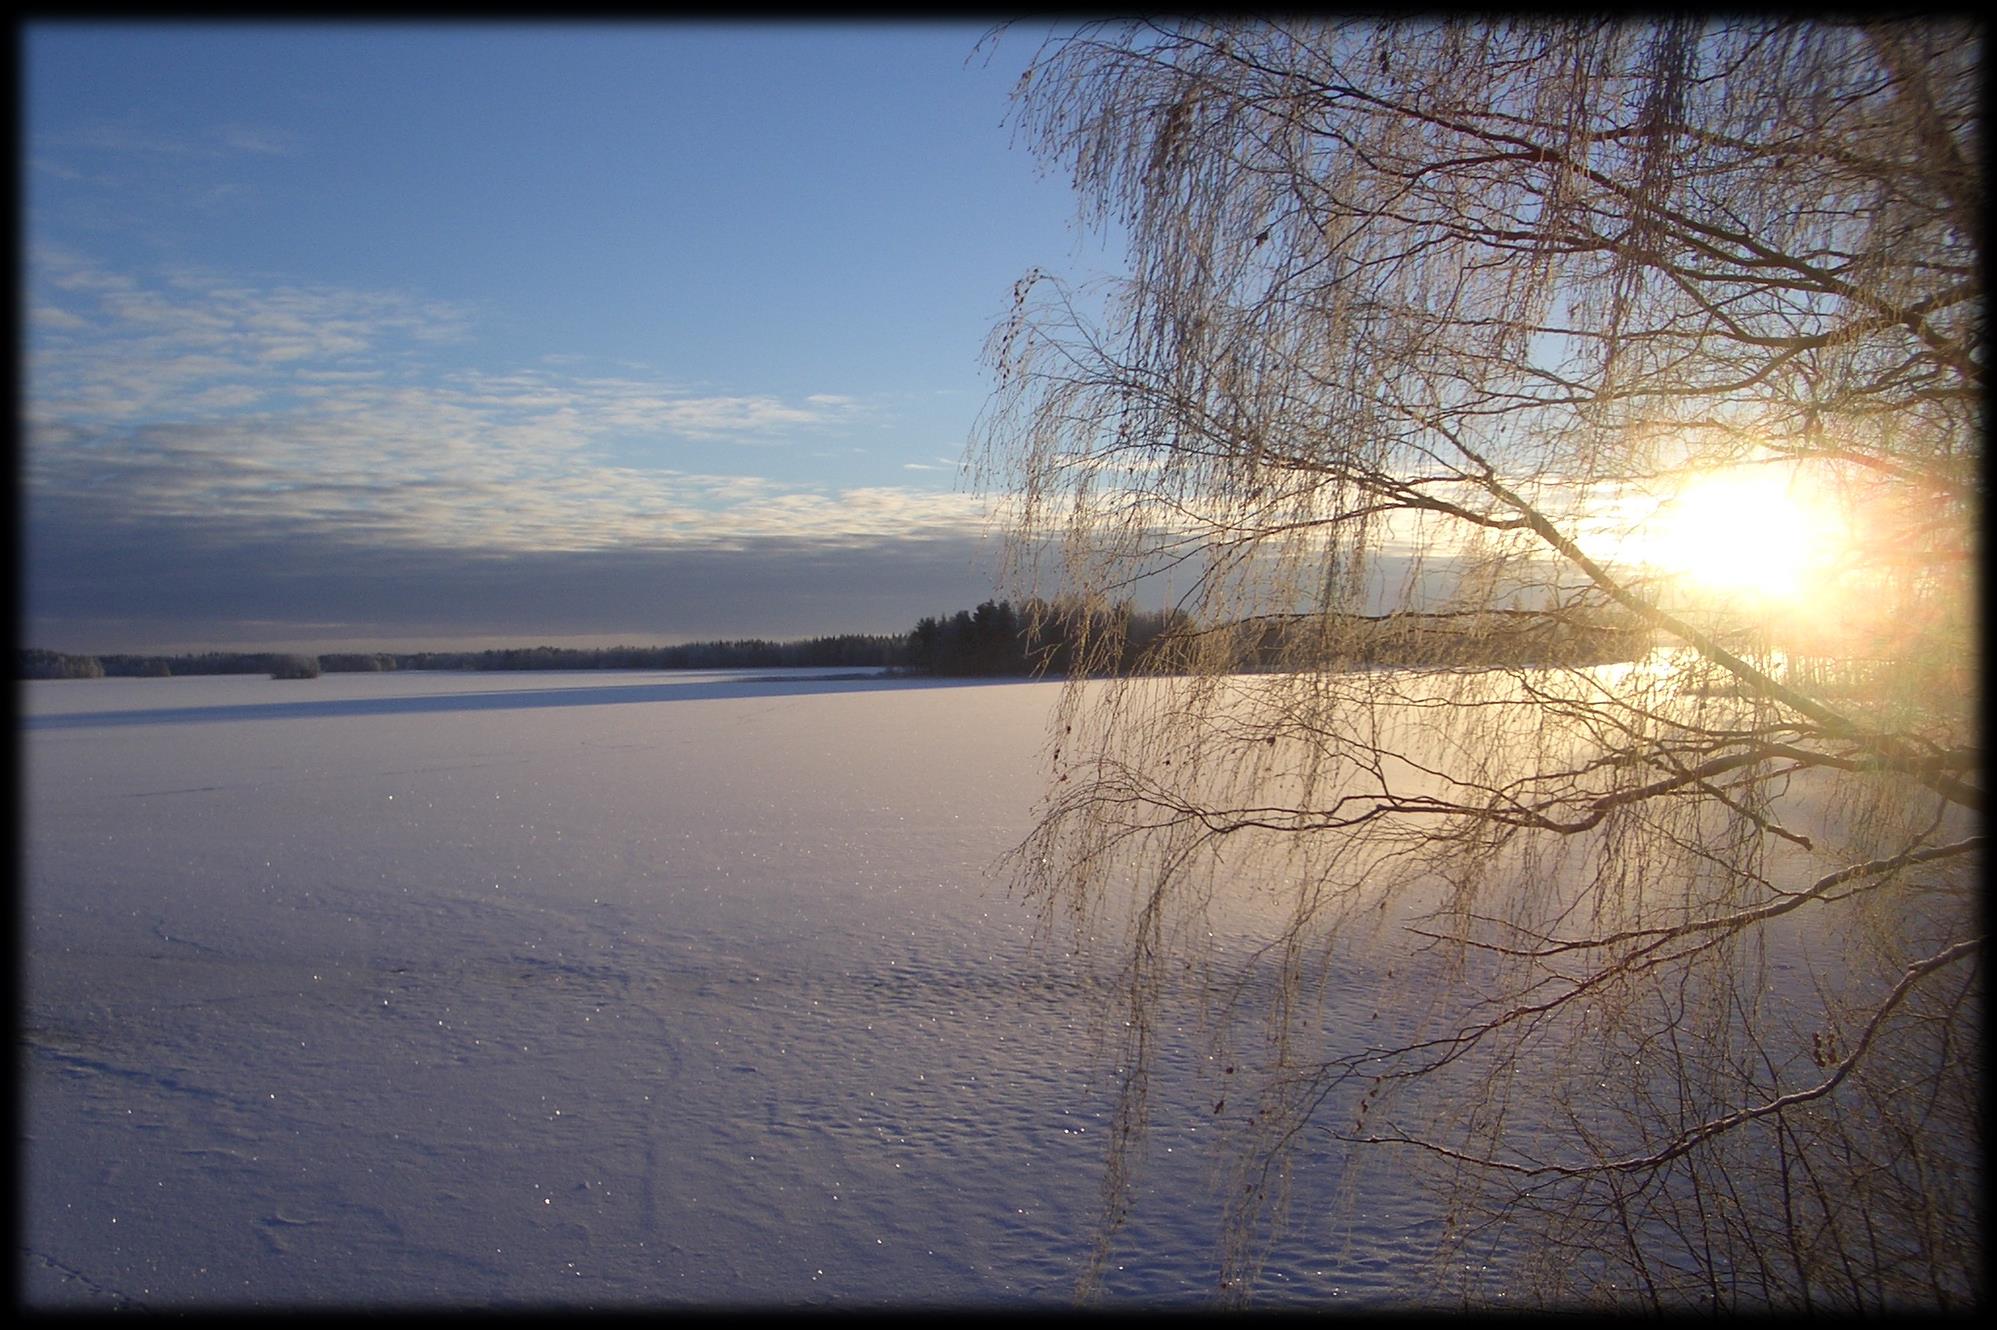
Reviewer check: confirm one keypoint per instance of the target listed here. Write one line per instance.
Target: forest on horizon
(996, 639)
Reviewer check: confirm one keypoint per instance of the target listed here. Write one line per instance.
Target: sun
(1757, 533)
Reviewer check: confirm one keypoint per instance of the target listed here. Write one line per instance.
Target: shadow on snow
(512, 699)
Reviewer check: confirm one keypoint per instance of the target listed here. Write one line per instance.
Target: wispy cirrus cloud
(135, 137)
(330, 411)
(104, 346)
(258, 140)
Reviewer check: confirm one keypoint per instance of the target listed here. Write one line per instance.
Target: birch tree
(1563, 442)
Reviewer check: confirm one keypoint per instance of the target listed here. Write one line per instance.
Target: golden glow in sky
(1761, 533)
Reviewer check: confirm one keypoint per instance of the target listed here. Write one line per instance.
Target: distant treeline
(1468, 639)
(996, 638)
(849, 650)
(1040, 637)
(38, 664)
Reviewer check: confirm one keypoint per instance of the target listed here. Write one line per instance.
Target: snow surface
(597, 989)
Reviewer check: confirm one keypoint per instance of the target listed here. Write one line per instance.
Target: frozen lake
(595, 989)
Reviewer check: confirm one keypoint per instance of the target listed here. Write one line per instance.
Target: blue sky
(420, 335)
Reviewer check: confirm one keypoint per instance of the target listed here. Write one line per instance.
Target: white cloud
(323, 407)
(59, 170)
(128, 136)
(47, 316)
(262, 140)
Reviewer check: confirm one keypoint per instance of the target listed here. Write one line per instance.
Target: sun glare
(1747, 532)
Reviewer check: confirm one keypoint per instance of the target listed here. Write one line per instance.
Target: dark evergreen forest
(994, 639)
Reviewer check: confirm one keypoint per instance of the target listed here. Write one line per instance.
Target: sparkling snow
(603, 989)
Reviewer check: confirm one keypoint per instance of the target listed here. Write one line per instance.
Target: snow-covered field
(601, 989)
